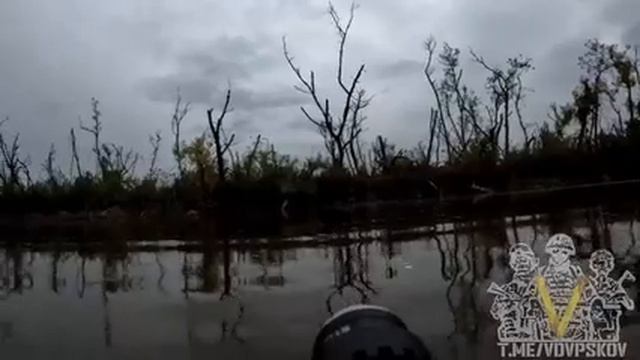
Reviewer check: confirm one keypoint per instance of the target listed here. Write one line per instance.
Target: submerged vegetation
(475, 141)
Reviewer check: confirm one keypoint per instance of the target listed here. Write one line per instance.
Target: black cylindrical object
(366, 332)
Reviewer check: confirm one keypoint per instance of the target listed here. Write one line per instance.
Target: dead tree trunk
(505, 86)
(75, 159)
(180, 111)
(221, 142)
(13, 169)
(433, 122)
(340, 130)
(154, 141)
(95, 131)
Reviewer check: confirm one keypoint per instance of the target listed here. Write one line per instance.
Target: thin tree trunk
(506, 125)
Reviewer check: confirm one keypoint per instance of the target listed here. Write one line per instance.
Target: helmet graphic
(602, 261)
(521, 249)
(560, 242)
(522, 258)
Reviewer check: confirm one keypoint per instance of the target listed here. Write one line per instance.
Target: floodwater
(176, 300)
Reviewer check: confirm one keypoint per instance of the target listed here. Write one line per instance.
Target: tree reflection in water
(389, 251)
(465, 263)
(271, 263)
(204, 278)
(57, 259)
(350, 272)
(228, 294)
(212, 275)
(14, 276)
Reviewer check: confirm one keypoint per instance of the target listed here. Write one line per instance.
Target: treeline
(475, 141)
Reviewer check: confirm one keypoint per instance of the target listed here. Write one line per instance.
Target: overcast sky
(133, 54)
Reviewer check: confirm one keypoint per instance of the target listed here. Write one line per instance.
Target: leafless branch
(180, 111)
(74, 153)
(154, 141)
(343, 32)
(12, 168)
(53, 173)
(519, 96)
(340, 131)
(95, 129)
(221, 142)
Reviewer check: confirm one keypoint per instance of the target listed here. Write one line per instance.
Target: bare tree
(117, 163)
(609, 73)
(221, 142)
(443, 133)
(13, 168)
(154, 141)
(433, 122)
(519, 97)
(75, 159)
(625, 79)
(251, 157)
(340, 130)
(95, 130)
(54, 175)
(449, 88)
(180, 111)
(383, 153)
(456, 121)
(505, 89)
(596, 62)
(561, 116)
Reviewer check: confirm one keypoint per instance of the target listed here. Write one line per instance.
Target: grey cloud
(247, 99)
(301, 124)
(557, 71)
(209, 66)
(238, 47)
(507, 28)
(227, 58)
(198, 91)
(399, 68)
(133, 56)
(632, 35)
(164, 89)
(620, 11)
(242, 124)
(202, 74)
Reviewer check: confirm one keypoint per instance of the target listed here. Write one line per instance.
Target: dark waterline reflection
(230, 301)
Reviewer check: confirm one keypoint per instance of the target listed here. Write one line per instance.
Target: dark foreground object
(364, 332)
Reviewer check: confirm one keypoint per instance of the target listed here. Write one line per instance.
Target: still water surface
(175, 300)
